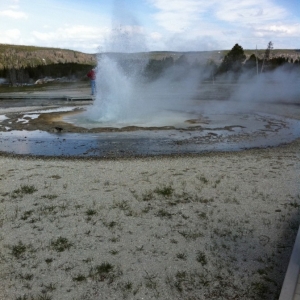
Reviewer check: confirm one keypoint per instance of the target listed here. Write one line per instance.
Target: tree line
(233, 65)
(29, 74)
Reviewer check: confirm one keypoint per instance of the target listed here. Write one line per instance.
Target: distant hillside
(218, 55)
(26, 64)
(290, 54)
(14, 56)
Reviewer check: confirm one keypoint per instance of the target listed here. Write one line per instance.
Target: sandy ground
(212, 226)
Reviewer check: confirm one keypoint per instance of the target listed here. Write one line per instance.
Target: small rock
(58, 129)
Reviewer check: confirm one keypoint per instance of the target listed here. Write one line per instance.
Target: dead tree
(267, 55)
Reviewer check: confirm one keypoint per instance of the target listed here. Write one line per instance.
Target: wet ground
(47, 130)
(47, 123)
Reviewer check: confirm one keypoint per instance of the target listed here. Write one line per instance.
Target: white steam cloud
(125, 98)
(277, 86)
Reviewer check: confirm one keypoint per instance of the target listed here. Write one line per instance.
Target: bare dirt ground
(218, 226)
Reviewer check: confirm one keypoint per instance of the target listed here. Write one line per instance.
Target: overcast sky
(178, 25)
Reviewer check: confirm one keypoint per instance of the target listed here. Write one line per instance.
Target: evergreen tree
(233, 60)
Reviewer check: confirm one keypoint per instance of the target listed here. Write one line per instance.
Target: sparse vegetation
(61, 244)
(26, 214)
(201, 258)
(147, 196)
(49, 260)
(49, 196)
(203, 179)
(114, 252)
(165, 191)
(79, 278)
(18, 250)
(162, 213)
(182, 256)
(102, 272)
(23, 190)
(220, 241)
(91, 212)
(191, 235)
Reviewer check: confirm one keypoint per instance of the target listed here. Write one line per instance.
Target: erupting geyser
(124, 95)
(119, 96)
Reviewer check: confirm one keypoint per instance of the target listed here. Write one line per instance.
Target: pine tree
(233, 60)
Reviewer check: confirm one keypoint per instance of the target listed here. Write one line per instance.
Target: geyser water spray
(119, 88)
(124, 96)
(118, 96)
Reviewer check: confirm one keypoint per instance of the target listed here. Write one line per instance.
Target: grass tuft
(102, 272)
(91, 212)
(24, 189)
(181, 256)
(201, 258)
(61, 244)
(18, 250)
(165, 191)
(191, 235)
(49, 260)
(203, 179)
(79, 278)
(49, 196)
(147, 196)
(162, 213)
(26, 215)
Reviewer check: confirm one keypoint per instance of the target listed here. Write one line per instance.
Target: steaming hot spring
(177, 100)
(176, 114)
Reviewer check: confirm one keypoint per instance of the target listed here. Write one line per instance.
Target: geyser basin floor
(199, 133)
